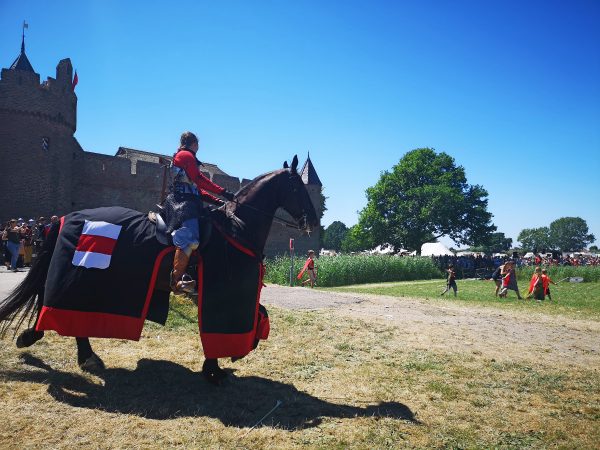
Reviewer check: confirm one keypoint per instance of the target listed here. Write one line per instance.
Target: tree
(334, 235)
(495, 243)
(424, 197)
(535, 239)
(570, 234)
(594, 249)
(355, 240)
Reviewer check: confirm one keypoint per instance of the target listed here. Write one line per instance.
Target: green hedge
(344, 270)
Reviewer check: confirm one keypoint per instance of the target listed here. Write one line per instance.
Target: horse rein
(285, 222)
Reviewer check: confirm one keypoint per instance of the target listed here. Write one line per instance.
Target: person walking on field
(497, 277)
(509, 281)
(547, 280)
(310, 269)
(451, 280)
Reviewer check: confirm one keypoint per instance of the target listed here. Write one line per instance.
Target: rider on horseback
(187, 192)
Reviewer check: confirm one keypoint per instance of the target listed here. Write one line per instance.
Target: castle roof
(309, 174)
(22, 63)
(132, 153)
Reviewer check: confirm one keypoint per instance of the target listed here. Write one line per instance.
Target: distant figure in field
(536, 285)
(310, 269)
(547, 280)
(497, 277)
(450, 280)
(509, 281)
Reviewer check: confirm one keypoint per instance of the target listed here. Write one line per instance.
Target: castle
(44, 170)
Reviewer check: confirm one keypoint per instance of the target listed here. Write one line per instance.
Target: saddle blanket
(102, 275)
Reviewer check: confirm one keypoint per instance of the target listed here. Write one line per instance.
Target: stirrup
(187, 285)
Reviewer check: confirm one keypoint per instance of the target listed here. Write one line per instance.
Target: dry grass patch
(343, 383)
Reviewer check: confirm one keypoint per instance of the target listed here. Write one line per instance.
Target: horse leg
(29, 337)
(86, 358)
(212, 372)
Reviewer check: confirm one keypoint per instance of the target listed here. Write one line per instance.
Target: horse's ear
(285, 165)
(295, 163)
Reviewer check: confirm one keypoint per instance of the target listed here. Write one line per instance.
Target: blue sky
(510, 89)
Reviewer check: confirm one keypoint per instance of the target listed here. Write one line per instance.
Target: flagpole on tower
(25, 25)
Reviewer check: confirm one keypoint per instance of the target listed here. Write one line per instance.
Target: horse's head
(294, 198)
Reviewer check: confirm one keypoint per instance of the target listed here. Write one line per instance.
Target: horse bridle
(288, 223)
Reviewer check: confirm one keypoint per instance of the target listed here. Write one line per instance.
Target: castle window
(45, 143)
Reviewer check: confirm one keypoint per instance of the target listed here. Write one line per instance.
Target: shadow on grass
(159, 389)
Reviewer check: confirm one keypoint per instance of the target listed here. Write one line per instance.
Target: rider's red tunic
(187, 161)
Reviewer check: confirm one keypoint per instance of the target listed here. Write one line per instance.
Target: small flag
(45, 143)
(25, 25)
(75, 80)
(96, 244)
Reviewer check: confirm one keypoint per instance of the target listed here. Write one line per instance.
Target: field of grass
(342, 384)
(572, 299)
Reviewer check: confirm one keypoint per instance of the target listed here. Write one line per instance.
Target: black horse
(244, 222)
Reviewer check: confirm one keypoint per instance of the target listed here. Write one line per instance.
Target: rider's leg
(186, 240)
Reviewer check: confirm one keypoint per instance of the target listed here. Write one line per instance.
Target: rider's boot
(180, 281)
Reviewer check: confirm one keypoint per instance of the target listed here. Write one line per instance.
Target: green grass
(574, 299)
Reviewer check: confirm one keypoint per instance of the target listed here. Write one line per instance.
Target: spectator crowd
(483, 266)
(22, 240)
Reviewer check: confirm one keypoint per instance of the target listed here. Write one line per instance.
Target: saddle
(164, 237)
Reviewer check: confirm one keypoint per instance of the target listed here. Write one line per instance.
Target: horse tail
(26, 300)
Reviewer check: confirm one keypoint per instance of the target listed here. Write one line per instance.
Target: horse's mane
(244, 190)
(230, 223)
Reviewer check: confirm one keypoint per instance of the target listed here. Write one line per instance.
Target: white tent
(529, 255)
(383, 249)
(435, 249)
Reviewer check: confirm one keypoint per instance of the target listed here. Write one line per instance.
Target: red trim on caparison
(159, 259)
(67, 322)
(235, 243)
(221, 345)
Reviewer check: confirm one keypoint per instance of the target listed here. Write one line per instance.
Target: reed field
(344, 270)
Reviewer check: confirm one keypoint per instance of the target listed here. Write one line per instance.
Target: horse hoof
(92, 364)
(29, 337)
(213, 373)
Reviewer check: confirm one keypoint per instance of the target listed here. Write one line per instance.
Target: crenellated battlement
(53, 100)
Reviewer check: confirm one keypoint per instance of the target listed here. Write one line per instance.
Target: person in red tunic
(310, 269)
(188, 189)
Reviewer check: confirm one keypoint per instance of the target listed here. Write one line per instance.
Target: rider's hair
(187, 138)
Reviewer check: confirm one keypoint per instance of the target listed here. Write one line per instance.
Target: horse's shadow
(159, 389)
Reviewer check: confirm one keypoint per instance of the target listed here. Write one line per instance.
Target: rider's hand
(228, 195)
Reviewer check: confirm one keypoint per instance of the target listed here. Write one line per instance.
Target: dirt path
(496, 334)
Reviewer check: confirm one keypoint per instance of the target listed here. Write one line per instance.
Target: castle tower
(37, 146)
